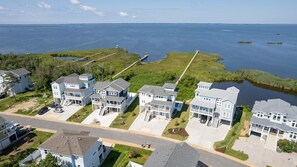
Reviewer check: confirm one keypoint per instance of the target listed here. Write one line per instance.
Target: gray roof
(229, 94)
(86, 75)
(114, 98)
(198, 102)
(156, 90)
(268, 123)
(75, 90)
(276, 106)
(69, 143)
(72, 79)
(164, 103)
(118, 84)
(20, 72)
(206, 84)
(169, 86)
(174, 155)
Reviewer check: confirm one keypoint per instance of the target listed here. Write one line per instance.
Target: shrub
(176, 123)
(286, 145)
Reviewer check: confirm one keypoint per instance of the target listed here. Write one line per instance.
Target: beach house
(76, 149)
(111, 96)
(8, 133)
(274, 118)
(158, 101)
(23, 80)
(73, 89)
(214, 106)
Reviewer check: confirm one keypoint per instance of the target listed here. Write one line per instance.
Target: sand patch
(23, 106)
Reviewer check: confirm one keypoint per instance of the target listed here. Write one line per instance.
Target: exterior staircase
(147, 116)
(215, 122)
(102, 111)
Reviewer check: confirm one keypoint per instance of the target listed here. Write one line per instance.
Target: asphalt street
(125, 136)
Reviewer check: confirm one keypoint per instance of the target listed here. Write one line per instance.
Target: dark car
(2, 95)
(43, 110)
(203, 119)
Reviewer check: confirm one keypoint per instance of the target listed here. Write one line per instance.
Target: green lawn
(226, 145)
(128, 117)
(119, 156)
(81, 114)
(21, 149)
(180, 120)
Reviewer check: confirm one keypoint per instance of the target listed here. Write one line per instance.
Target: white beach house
(75, 149)
(111, 96)
(274, 118)
(23, 76)
(7, 133)
(158, 101)
(214, 106)
(73, 89)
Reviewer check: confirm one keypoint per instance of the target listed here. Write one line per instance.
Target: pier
(181, 76)
(131, 65)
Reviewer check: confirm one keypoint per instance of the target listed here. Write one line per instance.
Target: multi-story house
(73, 89)
(75, 149)
(214, 106)
(22, 75)
(7, 133)
(158, 101)
(111, 96)
(275, 117)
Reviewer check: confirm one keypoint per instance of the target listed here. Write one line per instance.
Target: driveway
(68, 112)
(261, 156)
(154, 126)
(205, 136)
(105, 120)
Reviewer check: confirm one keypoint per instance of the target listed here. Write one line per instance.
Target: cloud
(75, 1)
(91, 9)
(1, 8)
(124, 14)
(44, 5)
(133, 17)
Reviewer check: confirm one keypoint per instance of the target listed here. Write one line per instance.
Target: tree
(8, 81)
(49, 161)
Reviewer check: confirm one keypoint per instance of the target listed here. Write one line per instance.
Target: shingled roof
(118, 84)
(69, 143)
(174, 155)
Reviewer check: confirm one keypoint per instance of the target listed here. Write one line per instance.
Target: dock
(131, 65)
(99, 59)
(181, 76)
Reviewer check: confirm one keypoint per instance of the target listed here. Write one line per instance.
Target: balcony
(73, 97)
(201, 111)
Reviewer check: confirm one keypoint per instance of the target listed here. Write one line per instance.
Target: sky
(148, 11)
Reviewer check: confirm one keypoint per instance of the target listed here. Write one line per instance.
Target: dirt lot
(245, 129)
(24, 105)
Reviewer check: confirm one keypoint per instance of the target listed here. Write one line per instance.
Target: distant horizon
(149, 23)
(153, 11)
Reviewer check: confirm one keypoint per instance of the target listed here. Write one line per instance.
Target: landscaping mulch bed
(178, 131)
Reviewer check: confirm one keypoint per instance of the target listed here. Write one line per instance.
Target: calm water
(249, 94)
(158, 39)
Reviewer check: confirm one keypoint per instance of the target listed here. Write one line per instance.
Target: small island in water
(245, 42)
(274, 43)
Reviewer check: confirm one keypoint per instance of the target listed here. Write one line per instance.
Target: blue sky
(148, 11)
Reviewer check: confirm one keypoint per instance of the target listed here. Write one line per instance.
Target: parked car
(203, 119)
(43, 110)
(2, 95)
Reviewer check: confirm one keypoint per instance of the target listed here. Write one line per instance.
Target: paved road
(206, 157)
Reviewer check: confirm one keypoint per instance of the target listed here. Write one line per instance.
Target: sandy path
(24, 105)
